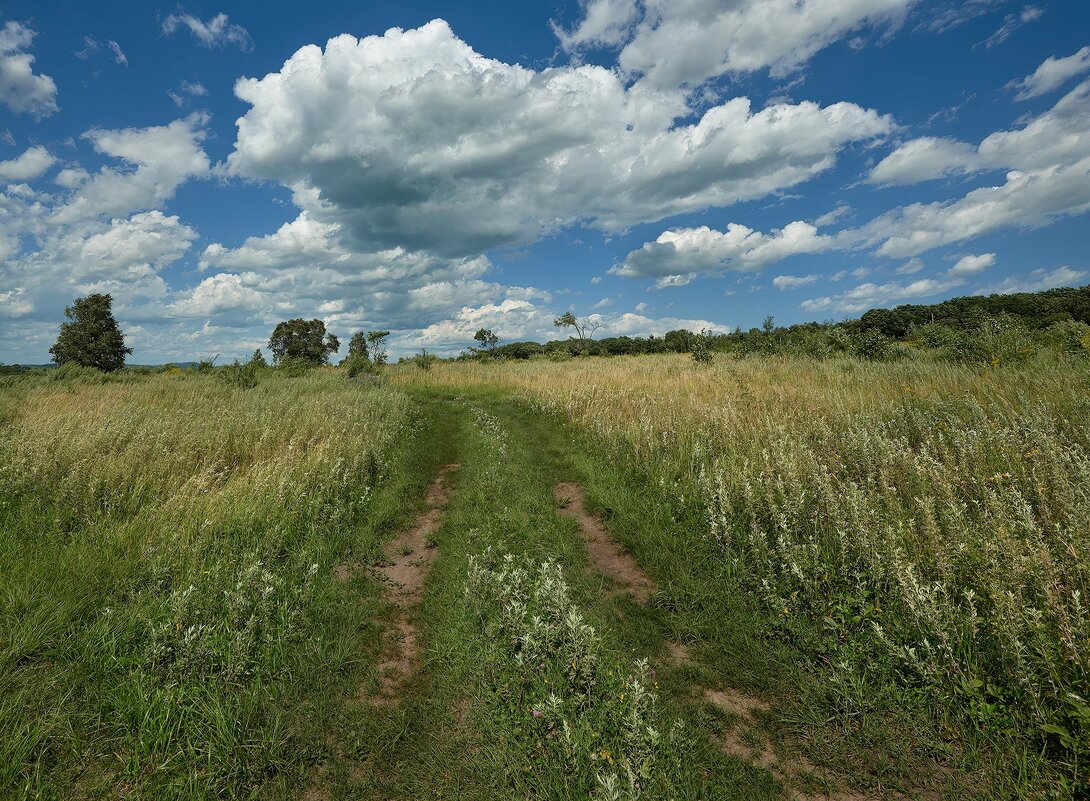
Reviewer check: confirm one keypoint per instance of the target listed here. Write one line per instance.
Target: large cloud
(686, 42)
(686, 251)
(414, 140)
(21, 90)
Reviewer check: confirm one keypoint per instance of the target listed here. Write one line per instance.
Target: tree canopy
(91, 337)
(303, 340)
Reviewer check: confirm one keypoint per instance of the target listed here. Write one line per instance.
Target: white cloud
(783, 282)
(1056, 137)
(20, 89)
(603, 303)
(686, 42)
(28, 165)
(118, 54)
(1036, 281)
(186, 90)
(217, 31)
(686, 251)
(1013, 22)
(604, 22)
(1051, 74)
(830, 217)
(163, 156)
(970, 265)
(923, 159)
(868, 296)
(910, 267)
(412, 139)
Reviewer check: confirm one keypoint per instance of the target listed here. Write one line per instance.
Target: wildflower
(537, 713)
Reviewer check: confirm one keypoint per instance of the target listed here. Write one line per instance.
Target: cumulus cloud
(686, 251)
(671, 43)
(1053, 73)
(21, 90)
(970, 265)
(156, 161)
(604, 22)
(868, 296)
(217, 31)
(413, 139)
(921, 160)
(28, 165)
(515, 320)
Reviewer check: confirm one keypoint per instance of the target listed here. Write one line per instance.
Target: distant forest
(933, 324)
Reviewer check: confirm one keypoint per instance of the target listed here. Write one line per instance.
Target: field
(635, 578)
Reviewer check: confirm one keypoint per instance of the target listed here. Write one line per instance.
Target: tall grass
(164, 586)
(919, 521)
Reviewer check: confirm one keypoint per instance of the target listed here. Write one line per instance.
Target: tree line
(1015, 323)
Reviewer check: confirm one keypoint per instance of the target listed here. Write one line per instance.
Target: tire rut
(409, 557)
(744, 739)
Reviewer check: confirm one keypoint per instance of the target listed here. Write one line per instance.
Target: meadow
(881, 566)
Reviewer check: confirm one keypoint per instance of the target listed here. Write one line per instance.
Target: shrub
(873, 346)
(425, 360)
(1070, 337)
(238, 375)
(996, 341)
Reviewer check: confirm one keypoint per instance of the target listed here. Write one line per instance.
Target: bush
(934, 335)
(292, 367)
(358, 365)
(996, 341)
(238, 375)
(1070, 337)
(873, 346)
(425, 360)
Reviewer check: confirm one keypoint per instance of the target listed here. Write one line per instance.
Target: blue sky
(432, 168)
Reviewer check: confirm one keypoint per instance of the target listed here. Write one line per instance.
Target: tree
(91, 337)
(304, 340)
(357, 346)
(584, 329)
(377, 341)
(486, 338)
(258, 359)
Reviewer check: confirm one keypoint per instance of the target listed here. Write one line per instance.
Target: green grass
(173, 627)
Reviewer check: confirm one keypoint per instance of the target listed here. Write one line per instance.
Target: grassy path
(466, 723)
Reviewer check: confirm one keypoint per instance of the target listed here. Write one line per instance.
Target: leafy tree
(357, 346)
(486, 338)
(258, 359)
(425, 360)
(91, 337)
(301, 339)
(584, 329)
(377, 342)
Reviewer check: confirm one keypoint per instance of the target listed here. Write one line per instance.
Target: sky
(434, 168)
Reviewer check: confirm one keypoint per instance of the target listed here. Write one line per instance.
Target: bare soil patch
(747, 741)
(408, 559)
(606, 556)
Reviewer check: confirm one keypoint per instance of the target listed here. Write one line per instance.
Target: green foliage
(358, 365)
(996, 341)
(701, 345)
(207, 365)
(91, 337)
(933, 335)
(377, 342)
(424, 360)
(486, 338)
(873, 346)
(357, 346)
(293, 367)
(258, 359)
(1070, 337)
(238, 375)
(306, 340)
